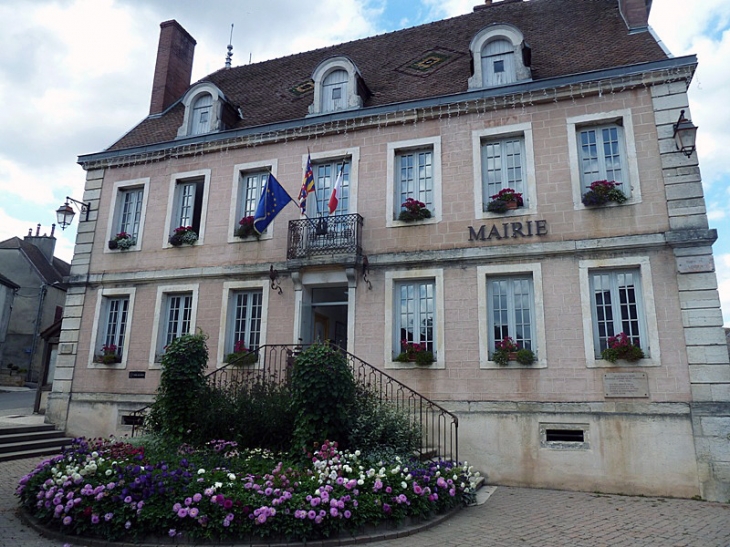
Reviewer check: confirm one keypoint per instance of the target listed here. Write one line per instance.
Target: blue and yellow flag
(273, 199)
(307, 186)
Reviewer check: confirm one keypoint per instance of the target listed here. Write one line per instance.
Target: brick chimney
(635, 14)
(45, 243)
(174, 66)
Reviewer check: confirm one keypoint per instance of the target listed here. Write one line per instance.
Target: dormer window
(206, 110)
(501, 57)
(338, 85)
(200, 122)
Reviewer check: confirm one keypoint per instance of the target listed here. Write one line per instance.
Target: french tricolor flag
(336, 190)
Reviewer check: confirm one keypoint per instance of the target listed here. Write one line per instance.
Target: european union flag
(273, 199)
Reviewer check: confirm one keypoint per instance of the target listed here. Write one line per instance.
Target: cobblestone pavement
(511, 517)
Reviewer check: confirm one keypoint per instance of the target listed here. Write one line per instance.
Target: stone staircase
(27, 441)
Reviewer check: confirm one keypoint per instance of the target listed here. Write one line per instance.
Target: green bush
(323, 393)
(380, 427)
(177, 402)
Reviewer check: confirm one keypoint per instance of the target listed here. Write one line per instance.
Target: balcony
(325, 239)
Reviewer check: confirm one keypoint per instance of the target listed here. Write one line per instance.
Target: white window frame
(352, 98)
(500, 31)
(224, 333)
(99, 324)
(115, 211)
(529, 195)
(214, 119)
(392, 279)
(632, 186)
(349, 155)
(171, 218)
(160, 315)
(642, 263)
(533, 270)
(237, 191)
(392, 204)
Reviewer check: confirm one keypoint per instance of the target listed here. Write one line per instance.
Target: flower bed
(113, 490)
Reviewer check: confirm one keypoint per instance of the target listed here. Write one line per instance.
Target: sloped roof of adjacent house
(50, 272)
(566, 37)
(8, 283)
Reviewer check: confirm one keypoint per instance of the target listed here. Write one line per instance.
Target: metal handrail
(439, 427)
(323, 236)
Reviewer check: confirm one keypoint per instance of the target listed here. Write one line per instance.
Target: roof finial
(230, 49)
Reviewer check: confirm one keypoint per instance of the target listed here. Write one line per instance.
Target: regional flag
(273, 199)
(337, 190)
(307, 186)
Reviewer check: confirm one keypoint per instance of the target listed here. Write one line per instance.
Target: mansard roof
(566, 37)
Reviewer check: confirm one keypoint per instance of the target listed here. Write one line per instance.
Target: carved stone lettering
(515, 230)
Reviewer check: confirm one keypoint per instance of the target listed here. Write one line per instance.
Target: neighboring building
(544, 97)
(8, 289)
(39, 299)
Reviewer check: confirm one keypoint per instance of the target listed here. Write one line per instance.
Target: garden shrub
(379, 427)
(323, 393)
(182, 383)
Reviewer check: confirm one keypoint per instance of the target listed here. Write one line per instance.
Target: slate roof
(566, 36)
(50, 272)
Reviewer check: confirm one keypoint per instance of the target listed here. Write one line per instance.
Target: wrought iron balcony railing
(325, 236)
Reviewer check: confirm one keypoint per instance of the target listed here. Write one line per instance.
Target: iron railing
(325, 236)
(439, 428)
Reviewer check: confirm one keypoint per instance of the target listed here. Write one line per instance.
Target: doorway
(324, 315)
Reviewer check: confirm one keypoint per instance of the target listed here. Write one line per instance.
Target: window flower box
(507, 350)
(122, 241)
(602, 192)
(621, 347)
(412, 352)
(183, 235)
(241, 355)
(505, 200)
(108, 355)
(414, 210)
(245, 228)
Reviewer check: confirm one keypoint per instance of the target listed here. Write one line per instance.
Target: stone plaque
(137, 373)
(625, 384)
(695, 264)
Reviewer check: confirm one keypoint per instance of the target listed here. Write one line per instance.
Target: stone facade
(661, 435)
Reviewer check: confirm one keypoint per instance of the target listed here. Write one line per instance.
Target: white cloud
(722, 265)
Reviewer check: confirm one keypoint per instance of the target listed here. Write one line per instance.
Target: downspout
(36, 331)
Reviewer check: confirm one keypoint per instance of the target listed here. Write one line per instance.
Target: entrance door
(324, 315)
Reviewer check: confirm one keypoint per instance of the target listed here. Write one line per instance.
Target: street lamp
(65, 213)
(685, 133)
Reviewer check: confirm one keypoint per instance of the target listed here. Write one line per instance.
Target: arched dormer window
(200, 120)
(338, 85)
(499, 57)
(206, 110)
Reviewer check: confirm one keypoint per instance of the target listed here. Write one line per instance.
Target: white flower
(108, 472)
(360, 482)
(403, 485)
(409, 477)
(357, 453)
(201, 471)
(217, 484)
(231, 477)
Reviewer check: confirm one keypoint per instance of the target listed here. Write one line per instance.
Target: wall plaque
(625, 384)
(137, 373)
(695, 264)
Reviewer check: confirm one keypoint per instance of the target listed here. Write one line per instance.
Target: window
(503, 166)
(500, 56)
(602, 147)
(414, 313)
(337, 86)
(200, 122)
(511, 305)
(617, 296)
(188, 202)
(616, 307)
(504, 158)
(601, 155)
(129, 203)
(414, 171)
(498, 65)
(245, 319)
(334, 91)
(248, 183)
(175, 313)
(115, 328)
(325, 175)
(112, 320)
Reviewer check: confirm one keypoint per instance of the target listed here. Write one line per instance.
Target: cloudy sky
(75, 75)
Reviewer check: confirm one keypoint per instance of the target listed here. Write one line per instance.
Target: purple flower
(67, 520)
(311, 514)
(182, 512)
(172, 532)
(108, 517)
(194, 512)
(386, 508)
(128, 499)
(347, 514)
(127, 525)
(197, 498)
(333, 511)
(94, 519)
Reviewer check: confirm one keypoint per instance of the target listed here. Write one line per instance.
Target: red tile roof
(566, 36)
